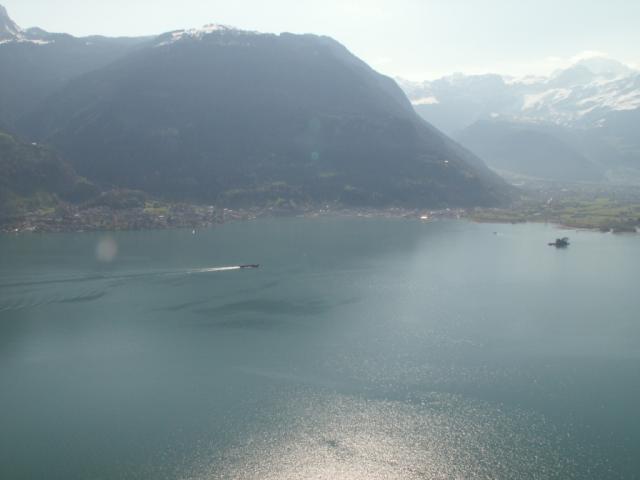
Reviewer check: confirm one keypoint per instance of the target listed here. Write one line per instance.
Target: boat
(252, 265)
(560, 243)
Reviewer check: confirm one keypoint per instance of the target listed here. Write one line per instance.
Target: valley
(583, 206)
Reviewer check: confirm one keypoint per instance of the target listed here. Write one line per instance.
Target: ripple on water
(442, 436)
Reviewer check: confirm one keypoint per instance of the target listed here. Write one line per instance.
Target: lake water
(361, 349)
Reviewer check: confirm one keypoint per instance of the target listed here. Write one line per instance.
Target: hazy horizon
(412, 39)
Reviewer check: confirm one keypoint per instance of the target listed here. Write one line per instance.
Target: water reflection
(360, 349)
(329, 436)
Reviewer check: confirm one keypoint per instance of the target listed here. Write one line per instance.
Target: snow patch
(585, 101)
(426, 101)
(197, 33)
(612, 98)
(21, 39)
(537, 100)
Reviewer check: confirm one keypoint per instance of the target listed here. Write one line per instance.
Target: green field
(606, 213)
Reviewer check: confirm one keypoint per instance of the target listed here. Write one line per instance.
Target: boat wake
(214, 269)
(44, 290)
(127, 276)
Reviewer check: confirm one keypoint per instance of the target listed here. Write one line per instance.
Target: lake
(361, 349)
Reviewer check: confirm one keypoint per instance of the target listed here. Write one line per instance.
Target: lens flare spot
(106, 250)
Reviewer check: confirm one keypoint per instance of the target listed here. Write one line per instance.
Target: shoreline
(619, 225)
(560, 225)
(75, 220)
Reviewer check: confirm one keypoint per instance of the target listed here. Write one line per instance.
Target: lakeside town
(615, 209)
(602, 215)
(70, 218)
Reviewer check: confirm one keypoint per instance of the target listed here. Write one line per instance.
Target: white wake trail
(215, 269)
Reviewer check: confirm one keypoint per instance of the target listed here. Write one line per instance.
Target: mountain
(581, 95)
(589, 110)
(32, 176)
(8, 29)
(235, 117)
(457, 101)
(36, 63)
(529, 149)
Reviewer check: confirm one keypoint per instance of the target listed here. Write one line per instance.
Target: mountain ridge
(8, 28)
(576, 96)
(227, 116)
(590, 108)
(35, 63)
(320, 126)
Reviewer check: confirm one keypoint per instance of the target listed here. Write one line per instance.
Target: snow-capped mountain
(10, 32)
(589, 112)
(199, 33)
(8, 29)
(579, 96)
(584, 94)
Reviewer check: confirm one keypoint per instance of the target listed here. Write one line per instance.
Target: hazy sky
(415, 39)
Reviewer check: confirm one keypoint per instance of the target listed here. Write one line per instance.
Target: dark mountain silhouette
(238, 117)
(221, 115)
